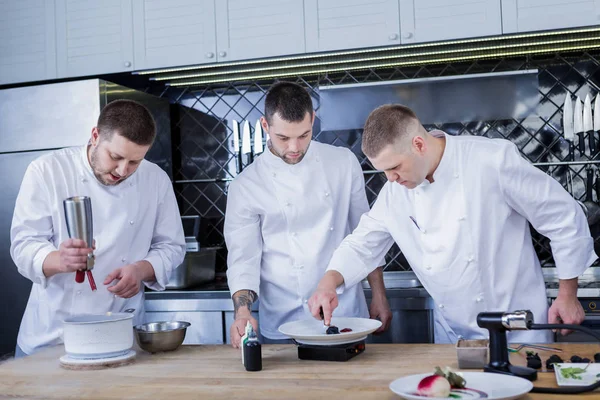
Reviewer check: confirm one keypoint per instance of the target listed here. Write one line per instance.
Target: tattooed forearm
(243, 299)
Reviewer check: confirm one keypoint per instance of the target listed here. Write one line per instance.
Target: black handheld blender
(498, 323)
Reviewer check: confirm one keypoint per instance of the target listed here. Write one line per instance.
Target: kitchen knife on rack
(258, 138)
(578, 125)
(588, 126)
(568, 126)
(246, 145)
(597, 115)
(236, 146)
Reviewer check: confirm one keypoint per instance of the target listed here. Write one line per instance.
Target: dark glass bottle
(252, 353)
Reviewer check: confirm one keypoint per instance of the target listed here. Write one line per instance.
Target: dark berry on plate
(333, 330)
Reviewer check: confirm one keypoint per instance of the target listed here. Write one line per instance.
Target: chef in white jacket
(137, 227)
(459, 207)
(286, 214)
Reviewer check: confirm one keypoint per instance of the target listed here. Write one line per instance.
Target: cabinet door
(259, 28)
(228, 319)
(436, 20)
(93, 37)
(537, 15)
(348, 24)
(27, 41)
(171, 33)
(206, 326)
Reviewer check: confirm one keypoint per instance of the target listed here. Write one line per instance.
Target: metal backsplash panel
(203, 140)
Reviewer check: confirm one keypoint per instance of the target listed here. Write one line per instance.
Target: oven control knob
(592, 305)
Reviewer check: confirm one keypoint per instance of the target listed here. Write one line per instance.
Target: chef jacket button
(326, 194)
(288, 204)
(305, 301)
(123, 259)
(424, 231)
(331, 228)
(428, 267)
(471, 258)
(293, 233)
(456, 175)
(274, 174)
(317, 159)
(461, 218)
(83, 180)
(479, 299)
(441, 306)
(78, 292)
(130, 222)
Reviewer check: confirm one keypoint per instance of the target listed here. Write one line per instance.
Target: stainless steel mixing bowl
(155, 337)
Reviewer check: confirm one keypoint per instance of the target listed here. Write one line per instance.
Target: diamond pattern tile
(205, 161)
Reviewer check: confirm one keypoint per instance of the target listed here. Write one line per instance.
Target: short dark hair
(289, 100)
(129, 119)
(385, 125)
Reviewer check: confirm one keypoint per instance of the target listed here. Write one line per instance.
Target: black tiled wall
(202, 141)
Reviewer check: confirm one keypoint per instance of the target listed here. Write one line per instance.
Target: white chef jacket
(283, 223)
(135, 220)
(470, 243)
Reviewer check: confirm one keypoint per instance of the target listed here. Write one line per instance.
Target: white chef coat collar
(445, 167)
(277, 162)
(85, 160)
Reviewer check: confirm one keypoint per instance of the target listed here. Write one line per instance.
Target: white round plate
(480, 385)
(312, 331)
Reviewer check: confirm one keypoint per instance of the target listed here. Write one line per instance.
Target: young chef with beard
(286, 214)
(459, 207)
(137, 227)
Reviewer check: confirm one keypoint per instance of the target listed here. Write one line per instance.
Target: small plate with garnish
(447, 385)
(576, 374)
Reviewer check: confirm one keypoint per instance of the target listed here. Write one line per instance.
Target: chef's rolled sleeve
(31, 230)
(551, 211)
(363, 250)
(167, 249)
(243, 238)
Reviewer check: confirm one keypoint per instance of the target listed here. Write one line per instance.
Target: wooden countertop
(194, 372)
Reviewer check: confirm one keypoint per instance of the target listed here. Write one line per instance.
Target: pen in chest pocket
(415, 222)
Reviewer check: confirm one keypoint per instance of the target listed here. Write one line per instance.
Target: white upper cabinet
(259, 28)
(435, 20)
(27, 41)
(537, 15)
(351, 24)
(171, 33)
(93, 37)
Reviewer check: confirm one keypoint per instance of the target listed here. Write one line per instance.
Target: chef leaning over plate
(137, 227)
(286, 214)
(459, 208)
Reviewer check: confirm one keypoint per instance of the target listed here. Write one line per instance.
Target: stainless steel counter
(210, 310)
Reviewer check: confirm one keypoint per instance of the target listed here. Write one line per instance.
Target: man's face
(289, 140)
(408, 167)
(114, 160)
